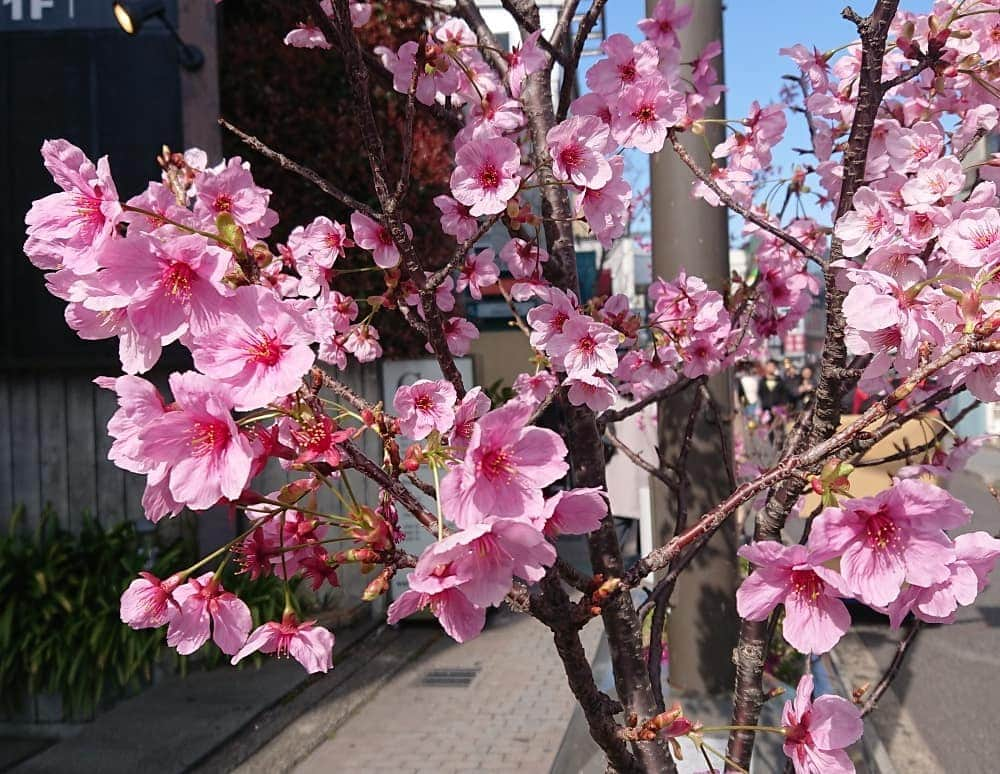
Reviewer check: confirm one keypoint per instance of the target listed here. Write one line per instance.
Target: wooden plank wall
(54, 447)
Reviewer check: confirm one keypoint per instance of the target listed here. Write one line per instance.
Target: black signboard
(109, 93)
(27, 15)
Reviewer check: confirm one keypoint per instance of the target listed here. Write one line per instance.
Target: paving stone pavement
(510, 718)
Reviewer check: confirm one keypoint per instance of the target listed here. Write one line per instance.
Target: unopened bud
(606, 589)
(365, 555)
(378, 586)
(666, 718)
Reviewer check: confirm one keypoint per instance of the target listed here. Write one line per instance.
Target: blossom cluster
(892, 553)
(188, 263)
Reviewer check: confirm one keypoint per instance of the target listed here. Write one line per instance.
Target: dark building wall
(83, 79)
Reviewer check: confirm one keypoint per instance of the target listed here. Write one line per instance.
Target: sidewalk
(181, 723)
(497, 703)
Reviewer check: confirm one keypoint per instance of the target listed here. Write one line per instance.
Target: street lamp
(132, 15)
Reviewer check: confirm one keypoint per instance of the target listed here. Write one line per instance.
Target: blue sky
(754, 31)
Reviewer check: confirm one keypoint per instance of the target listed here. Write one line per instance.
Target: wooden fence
(54, 447)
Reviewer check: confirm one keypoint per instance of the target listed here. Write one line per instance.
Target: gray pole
(687, 233)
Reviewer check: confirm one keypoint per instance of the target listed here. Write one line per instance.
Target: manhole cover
(451, 678)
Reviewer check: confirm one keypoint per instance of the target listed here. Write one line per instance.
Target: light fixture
(132, 15)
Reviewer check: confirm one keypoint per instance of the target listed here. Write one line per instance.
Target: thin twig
(302, 171)
(637, 459)
(569, 75)
(616, 415)
(902, 647)
(735, 206)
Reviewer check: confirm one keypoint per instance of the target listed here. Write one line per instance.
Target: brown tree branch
(902, 648)
(640, 462)
(339, 27)
(616, 415)
(582, 33)
(752, 648)
(587, 455)
(735, 206)
(302, 171)
(530, 25)
(798, 464)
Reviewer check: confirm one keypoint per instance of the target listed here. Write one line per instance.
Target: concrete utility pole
(688, 234)
(200, 89)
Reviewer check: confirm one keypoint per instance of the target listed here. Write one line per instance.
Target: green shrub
(60, 630)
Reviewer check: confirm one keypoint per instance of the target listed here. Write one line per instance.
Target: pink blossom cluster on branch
(913, 247)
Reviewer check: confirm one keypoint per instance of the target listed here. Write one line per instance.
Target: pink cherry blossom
(479, 271)
(459, 334)
(974, 239)
(440, 76)
(486, 175)
(577, 150)
(869, 224)
(624, 64)
(817, 732)
(909, 147)
(882, 315)
(363, 343)
(488, 555)
(76, 224)
(310, 645)
(148, 602)
(702, 356)
(374, 237)
(260, 350)
(171, 286)
(207, 457)
(232, 191)
(976, 554)
(473, 406)
(425, 406)
(586, 346)
(324, 241)
(644, 112)
(573, 512)
(455, 218)
(316, 440)
(548, 320)
(524, 60)
(208, 609)
(940, 180)
(157, 500)
(524, 259)
(813, 64)
(667, 18)
(433, 584)
(534, 388)
(890, 538)
(290, 538)
(492, 116)
(306, 36)
(506, 466)
(815, 617)
(139, 404)
(606, 209)
(594, 392)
